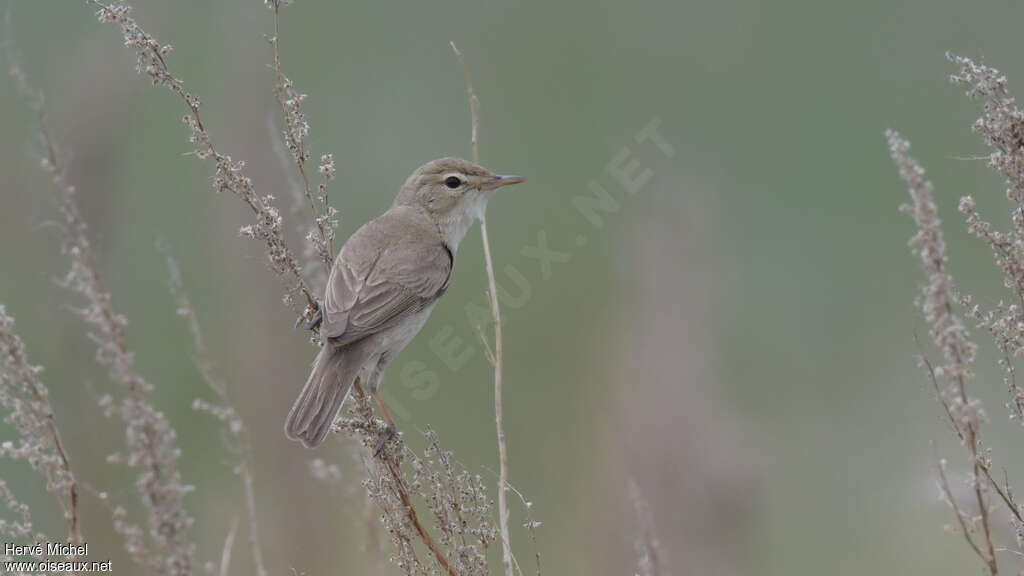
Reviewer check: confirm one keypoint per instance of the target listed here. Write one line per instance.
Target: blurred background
(734, 334)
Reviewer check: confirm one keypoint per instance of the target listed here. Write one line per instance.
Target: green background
(738, 337)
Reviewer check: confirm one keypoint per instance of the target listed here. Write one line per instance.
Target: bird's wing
(377, 279)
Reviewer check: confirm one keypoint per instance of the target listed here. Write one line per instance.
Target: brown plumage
(384, 284)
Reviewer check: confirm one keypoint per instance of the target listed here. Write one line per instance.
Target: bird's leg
(389, 425)
(383, 409)
(373, 385)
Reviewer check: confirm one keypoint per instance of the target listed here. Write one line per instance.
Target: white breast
(461, 219)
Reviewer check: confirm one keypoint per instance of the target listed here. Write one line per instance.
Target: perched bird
(384, 284)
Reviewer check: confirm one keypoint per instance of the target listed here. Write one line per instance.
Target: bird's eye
(453, 182)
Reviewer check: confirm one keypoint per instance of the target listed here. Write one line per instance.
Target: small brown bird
(384, 284)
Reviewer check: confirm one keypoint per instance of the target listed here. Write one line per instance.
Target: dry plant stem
(225, 554)
(981, 464)
(71, 505)
(1003, 491)
(250, 512)
(149, 435)
(151, 440)
(455, 527)
(1005, 495)
(960, 518)
(979, 468)
(398, 481)
(947, 331)
(506, 545)
(414, 518)
(296, 129)
(938, 392)
(530, 525)
(19, 371)
(1001, 126)
(650, 559)
(971, 440)
(19, 528)
(13, 348)
(224, 411)
(979, 496)
(498, 353)
(229, 173)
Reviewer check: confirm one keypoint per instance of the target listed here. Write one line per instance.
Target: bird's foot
(385, 436)
(314, 320)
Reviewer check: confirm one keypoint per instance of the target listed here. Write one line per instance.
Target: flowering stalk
(296, 129)
(457, 509)
(223, 411)
(950, 335)
(39, 442)
(152, 442)
(229, 175)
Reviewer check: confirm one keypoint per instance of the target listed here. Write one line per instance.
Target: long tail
(334, 371)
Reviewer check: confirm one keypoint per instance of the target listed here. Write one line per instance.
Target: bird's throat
(457, 223)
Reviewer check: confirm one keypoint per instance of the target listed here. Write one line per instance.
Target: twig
(150, 438)
(531, 524)
(386, 460)
(41, 444)
(947, 329)
(229, 543)
(250, 512)
(403, 492)
(59, 476)
(944, 485)
(939, 396)
(296, 129)
(650, 559)
(499, 358)
(229, 174)
(1004, 493)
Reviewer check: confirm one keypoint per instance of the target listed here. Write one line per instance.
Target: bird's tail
(334, 371)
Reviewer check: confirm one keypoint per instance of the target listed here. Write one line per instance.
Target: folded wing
(390, 269)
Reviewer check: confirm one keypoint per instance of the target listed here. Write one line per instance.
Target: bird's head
(453, 192)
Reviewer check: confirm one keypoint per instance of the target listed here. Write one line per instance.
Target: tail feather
(310, 419)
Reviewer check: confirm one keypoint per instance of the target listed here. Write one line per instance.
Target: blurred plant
(236, 438)
(1001, 126)
(649, 555)
(39, 442)
(22, 391)
(20, 529)
(950, 335)
(151, 441)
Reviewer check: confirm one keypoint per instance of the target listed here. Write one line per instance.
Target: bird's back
(393, 266)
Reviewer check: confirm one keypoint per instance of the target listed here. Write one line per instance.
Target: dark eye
(452, 182)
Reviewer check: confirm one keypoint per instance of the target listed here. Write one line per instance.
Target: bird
(383, 285)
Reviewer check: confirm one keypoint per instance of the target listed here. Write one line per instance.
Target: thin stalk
(499, 356)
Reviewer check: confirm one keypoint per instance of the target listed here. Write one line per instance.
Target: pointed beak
(503, 180)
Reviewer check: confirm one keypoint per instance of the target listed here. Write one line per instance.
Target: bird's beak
(503, 180)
